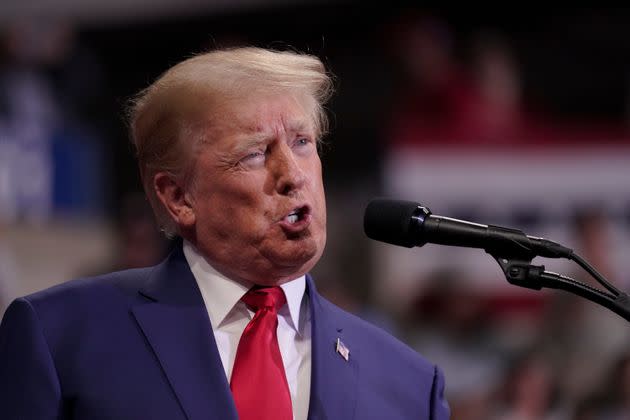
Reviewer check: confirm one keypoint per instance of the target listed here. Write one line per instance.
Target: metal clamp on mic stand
(521, 272)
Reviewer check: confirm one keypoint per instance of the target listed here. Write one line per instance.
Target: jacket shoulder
(88, 291)
(374, 342)
(394, 376)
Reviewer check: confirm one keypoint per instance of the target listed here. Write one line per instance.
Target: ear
(175, 200)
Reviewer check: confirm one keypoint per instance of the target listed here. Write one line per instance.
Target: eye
(302, 142)
(254, 158)
(303, 146)
(254, 155)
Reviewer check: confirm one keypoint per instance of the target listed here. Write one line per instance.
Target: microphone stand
(519, 271)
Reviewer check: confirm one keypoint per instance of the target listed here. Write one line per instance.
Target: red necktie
(259, 384)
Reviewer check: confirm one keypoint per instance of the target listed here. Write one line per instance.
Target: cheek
(227, 194)
(318, 185)
(242, 211)
(319, 203)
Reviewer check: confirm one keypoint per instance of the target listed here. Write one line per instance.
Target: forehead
(266, 114)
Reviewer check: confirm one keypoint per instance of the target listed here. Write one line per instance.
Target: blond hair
(164, 117)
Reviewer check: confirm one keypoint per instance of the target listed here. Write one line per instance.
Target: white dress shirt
(229, 316)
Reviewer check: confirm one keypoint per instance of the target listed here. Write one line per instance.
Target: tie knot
(265, 297)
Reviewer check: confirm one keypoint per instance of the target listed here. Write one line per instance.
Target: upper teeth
(292, 218)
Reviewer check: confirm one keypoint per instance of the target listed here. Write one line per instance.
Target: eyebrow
(298, 126)
(255, 138)
(249, 141)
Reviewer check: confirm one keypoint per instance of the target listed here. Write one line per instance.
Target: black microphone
(409, 224)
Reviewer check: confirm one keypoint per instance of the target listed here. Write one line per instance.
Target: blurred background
(512, 116)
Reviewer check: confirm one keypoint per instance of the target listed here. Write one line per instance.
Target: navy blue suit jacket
(138, 344)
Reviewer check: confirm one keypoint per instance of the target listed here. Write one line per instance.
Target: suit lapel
(333, 379)
(175, 322)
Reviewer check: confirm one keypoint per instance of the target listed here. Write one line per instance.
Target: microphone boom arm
(408, 224)
(523, 273)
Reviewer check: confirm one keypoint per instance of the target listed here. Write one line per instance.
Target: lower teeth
(292, 218)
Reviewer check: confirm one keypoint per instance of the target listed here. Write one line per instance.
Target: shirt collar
(221, 294)
(294, 292)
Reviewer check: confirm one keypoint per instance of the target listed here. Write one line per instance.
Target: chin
(292, 265)
(298, 264)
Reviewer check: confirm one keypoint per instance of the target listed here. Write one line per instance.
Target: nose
(289, 175)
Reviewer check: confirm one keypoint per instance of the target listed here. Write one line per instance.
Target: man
(230, 325)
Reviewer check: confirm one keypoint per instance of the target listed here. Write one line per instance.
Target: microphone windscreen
(391, 221)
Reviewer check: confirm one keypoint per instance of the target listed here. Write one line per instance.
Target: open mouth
(297, 215)
(297, 221)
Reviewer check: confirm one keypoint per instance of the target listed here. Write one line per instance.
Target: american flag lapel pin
(343, 350)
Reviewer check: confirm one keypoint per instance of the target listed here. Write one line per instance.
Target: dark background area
(574, 64)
